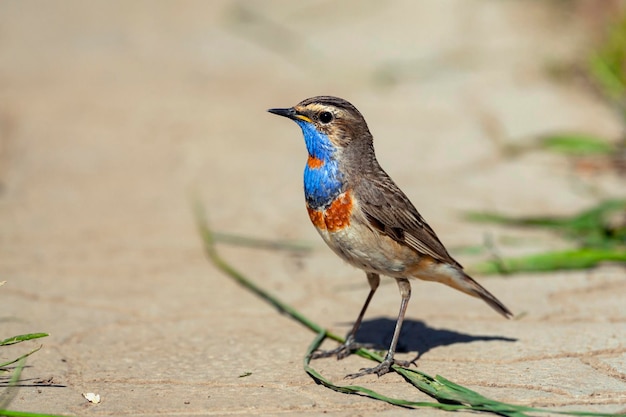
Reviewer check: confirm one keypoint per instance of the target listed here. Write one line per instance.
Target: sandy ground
(114, 113)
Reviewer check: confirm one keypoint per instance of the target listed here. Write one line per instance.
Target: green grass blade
(21, 338)
(576, 144)
(605, 76)
(551, 261)
(251, 242)
(606, 65)
(599, 232)
(589, 223)
(10, 392)
(24, 356)
(10, 413)
(495, 218)
(208, 239)
(355, 389)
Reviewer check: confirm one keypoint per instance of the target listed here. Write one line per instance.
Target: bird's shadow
(416, 336)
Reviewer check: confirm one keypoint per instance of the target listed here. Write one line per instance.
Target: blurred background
(115, 115)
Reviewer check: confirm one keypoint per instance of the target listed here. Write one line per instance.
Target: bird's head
(329, 124)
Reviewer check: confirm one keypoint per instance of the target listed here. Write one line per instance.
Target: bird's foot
(383, 368)
(346, 349)
(380, 370)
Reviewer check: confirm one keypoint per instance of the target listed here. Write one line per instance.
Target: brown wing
(388, 210)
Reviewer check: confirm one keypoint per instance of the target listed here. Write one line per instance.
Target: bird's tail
(473, 288)
(456, 278)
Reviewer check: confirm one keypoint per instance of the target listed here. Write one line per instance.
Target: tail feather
(454, 276)
(481, 292)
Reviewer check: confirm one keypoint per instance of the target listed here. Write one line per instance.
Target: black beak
(289, 113)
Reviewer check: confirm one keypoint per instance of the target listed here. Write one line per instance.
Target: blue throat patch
(321, 184)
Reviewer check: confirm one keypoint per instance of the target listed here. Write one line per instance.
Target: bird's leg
(350, 345)
(385, 366)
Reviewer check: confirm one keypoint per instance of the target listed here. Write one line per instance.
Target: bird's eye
(326, 117)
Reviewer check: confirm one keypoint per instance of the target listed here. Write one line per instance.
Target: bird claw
(343, 351)
(383, 368)
(380, 370)
(405, 364)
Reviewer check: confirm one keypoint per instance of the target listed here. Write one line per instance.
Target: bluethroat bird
(365, 218)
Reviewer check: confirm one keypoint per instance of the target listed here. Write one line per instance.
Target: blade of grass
(551, 261)
(251, 242)
(10, 413)
(598, 232)
(588, 222)
(450, 396)
(21, 338)
(606, 64)
(355, 389)
(209, 245)
(24, 356)
(11, 391)
(453, 397)
(576, 144)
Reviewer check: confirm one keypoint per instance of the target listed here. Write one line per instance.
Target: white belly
(370, 251)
